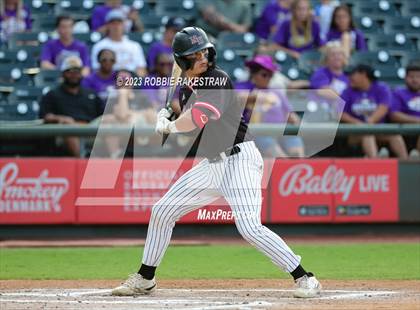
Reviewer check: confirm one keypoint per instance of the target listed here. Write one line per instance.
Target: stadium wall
(71, 191)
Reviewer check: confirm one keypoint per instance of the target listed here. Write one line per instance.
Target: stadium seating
(232, 64)
(39, 7)
(49, 78)
(19, 111)
(410, 8)
(366, 24)
(409, 56)
(392, 43)
(27, 38)
(78, 9)
(374, 9)
(44, 23)
(88, 38)
(12, 74)
(152, 22)
(242, 44)
(24, 92)
(381, 58)
(389, 75)
(410, 26)
(309, 61)
(185, 8)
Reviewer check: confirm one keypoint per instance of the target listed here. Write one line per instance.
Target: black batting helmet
(189, 41)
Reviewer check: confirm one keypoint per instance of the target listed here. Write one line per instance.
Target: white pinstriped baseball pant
(237, 178)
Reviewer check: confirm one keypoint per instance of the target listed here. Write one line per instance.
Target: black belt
(228, 152)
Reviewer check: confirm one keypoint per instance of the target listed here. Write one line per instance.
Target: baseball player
(232, 168)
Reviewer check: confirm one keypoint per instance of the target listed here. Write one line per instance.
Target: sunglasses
(107, 59)
(165, 64)
(266, 75)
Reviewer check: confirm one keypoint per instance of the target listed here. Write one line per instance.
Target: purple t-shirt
(154, 50)
(278, 113)
(272, 14)
(324, 77)
(362, 104)
(157, 93)
(357, 38)
(10, 24)
(406, 101)
(99, 85)
(284, 38)
(55, 52)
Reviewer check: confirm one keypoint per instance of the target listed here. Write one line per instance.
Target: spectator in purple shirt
(14, 17)
(56, 50)
(173, 25)
(324, 11)
(273, 14)
(299, 33)
(329, 81)
(367, 102)
(406, 101)
(102, 80)
(342, 29)
(132, 20)
(331, 76)
(157, 92)
(264, 105)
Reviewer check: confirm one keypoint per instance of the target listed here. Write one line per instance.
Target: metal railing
(49, 130)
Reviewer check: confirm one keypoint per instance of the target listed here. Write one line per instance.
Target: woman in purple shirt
(406, 101)
(342, 29)
(330, 81)
(299, 33)
(273, 14)
(367, 102)
(102, 80)
(14, 17)
(264, 105)
(331, 76)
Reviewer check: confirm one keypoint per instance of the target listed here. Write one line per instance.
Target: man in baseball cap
(130, 55)
(71, 62)
(69, 103)
(114, 15)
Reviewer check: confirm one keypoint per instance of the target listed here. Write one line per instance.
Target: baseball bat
(176, 73)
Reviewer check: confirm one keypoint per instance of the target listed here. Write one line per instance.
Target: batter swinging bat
(176, 73)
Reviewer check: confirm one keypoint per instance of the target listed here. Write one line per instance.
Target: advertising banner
(325, 190)
(37, 191)
(370, 191)
(301, 191)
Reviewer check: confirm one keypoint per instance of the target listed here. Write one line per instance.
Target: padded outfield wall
(58, 191)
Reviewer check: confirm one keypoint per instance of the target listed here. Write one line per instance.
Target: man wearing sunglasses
(232, 168)
(69, 103)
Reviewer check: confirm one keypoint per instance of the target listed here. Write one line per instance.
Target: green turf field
(351, 261)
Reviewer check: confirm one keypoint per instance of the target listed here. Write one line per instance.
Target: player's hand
(162, 125)
(163, 113)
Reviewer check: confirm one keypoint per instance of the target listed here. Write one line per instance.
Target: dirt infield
(211, 294)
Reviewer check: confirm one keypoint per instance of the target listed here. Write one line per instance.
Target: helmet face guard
(189, 41)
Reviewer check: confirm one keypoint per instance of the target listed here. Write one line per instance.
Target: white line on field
(73, 293)
(237, 306)
(356, 295)
(130, 301)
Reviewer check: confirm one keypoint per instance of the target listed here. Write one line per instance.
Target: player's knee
(249, 231)
(159, 213)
